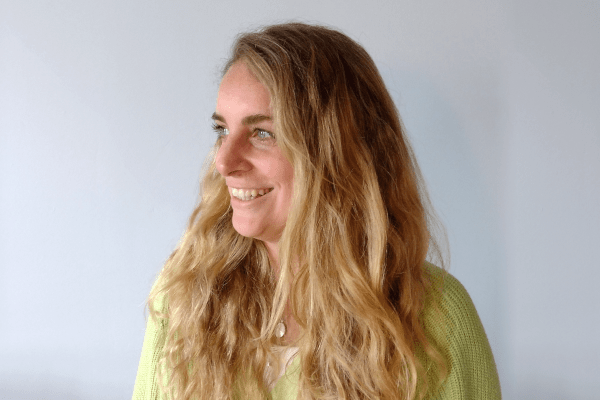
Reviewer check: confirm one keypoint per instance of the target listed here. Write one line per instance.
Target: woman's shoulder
(452, 322)
(146, 382)
(447, 291)
(447, 294)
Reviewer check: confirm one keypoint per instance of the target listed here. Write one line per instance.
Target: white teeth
(249, 194)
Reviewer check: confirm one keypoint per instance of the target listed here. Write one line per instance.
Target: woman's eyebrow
(249, 120)
(217, 117)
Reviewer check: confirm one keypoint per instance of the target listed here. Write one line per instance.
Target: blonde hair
(352, 253)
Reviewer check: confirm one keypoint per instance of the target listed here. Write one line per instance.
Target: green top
(472, 375)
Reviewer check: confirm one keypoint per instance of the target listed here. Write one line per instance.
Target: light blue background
(104, 123)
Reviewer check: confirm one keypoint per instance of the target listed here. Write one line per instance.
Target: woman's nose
(231, 156)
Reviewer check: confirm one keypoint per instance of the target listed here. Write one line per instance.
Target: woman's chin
(247, 228)
(259, 231)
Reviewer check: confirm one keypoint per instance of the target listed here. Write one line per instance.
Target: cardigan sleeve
(472, 373)
(146, 382)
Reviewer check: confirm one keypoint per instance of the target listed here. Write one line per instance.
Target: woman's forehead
(241, 92)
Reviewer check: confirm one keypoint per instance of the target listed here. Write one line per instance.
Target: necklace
(280, 329)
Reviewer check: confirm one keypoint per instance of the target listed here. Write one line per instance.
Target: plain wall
(105, 121)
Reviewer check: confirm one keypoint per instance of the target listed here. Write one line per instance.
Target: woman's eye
(220, 130)
(263, 135)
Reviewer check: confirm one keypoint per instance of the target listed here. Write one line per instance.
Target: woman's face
(258, 176)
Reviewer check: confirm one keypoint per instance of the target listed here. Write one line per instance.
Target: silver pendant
(280, 330)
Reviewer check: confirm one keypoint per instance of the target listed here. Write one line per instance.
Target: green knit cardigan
(472, 374)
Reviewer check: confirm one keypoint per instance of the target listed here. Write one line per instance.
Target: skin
(249, 158)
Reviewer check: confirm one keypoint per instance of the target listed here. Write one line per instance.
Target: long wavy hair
(352, 255)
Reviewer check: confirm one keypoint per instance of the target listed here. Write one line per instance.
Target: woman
(303, 271)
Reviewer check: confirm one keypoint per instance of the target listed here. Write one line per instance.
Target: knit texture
(472, 374)
(146, 383)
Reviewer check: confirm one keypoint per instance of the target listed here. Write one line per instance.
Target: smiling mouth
(249, 194)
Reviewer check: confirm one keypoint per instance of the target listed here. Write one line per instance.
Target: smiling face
(259, 177)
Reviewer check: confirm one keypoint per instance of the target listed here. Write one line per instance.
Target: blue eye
(220, 130)
(264, 135)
